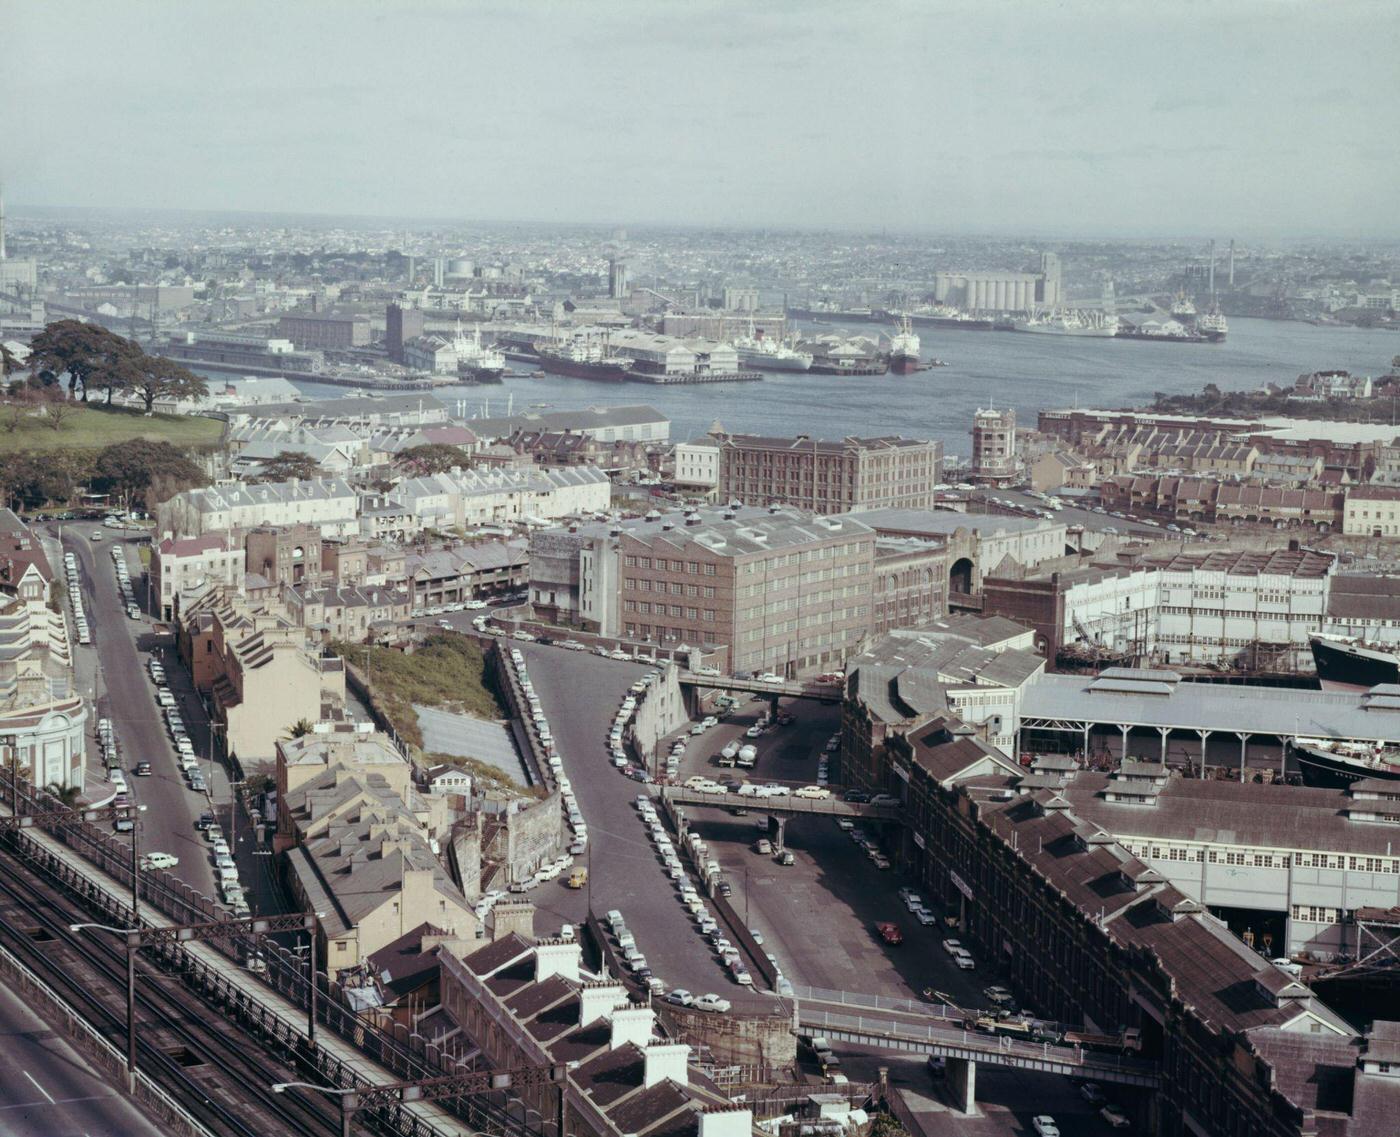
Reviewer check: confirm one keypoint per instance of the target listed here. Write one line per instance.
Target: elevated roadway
(905, 1026)
(787, 804)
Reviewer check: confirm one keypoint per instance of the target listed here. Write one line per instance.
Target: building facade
(994, 446)
(828, 477)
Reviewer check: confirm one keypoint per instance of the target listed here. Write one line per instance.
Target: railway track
(193, 1051)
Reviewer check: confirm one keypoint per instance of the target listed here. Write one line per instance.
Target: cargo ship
(476, 361)
(904, 350)
(1069, 322)
(833, 355)
(948, 318)
(768, 354)
(1213, 325)
(1330, 763)
(820, 312)
(584, 359)
(1353, 665)
(1164, 331)
(1183, 310)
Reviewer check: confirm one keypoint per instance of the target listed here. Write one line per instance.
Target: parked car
(712, 1002)
(1045, 1126)
(889, 932)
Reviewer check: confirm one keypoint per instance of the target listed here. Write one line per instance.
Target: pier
(694, 377)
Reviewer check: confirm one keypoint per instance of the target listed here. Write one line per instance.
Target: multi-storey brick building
(786, 591)
(829, 477)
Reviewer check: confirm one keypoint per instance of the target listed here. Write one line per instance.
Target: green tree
(431, 458)
(300, 728)
(91, 356)
(140, 470)
(153, 377)
(288, 464)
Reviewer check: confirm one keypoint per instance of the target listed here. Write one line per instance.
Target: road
(817, 916)
(114, 670)
(580, 694)
(50, 1090)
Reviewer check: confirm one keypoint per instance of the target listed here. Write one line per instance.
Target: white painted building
(697, 464)
(330, 503)
(1214, 607)
(459, 498)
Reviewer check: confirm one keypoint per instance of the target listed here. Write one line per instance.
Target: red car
(890, 933)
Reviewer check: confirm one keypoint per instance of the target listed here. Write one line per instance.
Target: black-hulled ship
(1333, 764)
(584, 359)
(1352, 665)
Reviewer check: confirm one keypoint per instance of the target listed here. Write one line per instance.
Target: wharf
(706, 377)
(333, 378)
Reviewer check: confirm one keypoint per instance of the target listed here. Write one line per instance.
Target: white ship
(767, 354)
(904, 349)
(1183, 309)
(475, 359)
(1213, 325)
(1069, 322)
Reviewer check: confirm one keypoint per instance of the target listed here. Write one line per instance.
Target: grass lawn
(93, 427)
(447, 671)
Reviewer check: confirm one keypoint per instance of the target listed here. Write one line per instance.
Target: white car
(1045, 1126)
(712, 1002)
(965, 961)
(818, 792)
(159, 861)
(952, 947)
(768, 677)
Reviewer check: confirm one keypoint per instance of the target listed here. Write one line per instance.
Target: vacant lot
(448, 671)
(92, 428)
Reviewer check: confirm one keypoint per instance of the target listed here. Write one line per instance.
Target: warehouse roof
(1113, 698)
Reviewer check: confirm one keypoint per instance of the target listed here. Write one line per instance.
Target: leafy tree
(430, 458)
(300, 728)
(29, 478)
(91, 355)
(9, 361)
(154, 377)
(288, 464)
(141, 470)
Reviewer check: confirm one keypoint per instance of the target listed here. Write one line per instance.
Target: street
(50, 1090)
(113, 670)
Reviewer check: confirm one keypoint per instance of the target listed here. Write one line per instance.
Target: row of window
(663, 565)
(675, 610)
(676, 588)
(1262, 858)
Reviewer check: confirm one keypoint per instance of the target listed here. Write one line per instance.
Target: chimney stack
(598, 1000)
(666, 1060)
(631, 1024)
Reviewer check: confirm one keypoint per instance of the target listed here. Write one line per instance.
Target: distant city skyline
(1249, 116)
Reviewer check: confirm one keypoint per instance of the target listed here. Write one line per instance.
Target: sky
(1077, 117)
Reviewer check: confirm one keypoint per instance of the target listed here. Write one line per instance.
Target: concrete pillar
(1123, 749)
(777, 825)
(961, 1078)
(1164, 731)
(1244, 743)
(1205, 737)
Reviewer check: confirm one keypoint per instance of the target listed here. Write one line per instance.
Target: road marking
(60, 1101)
(38, 1087)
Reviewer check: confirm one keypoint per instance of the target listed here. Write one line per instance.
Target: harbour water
(1029, 373)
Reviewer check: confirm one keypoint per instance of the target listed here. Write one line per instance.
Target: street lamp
(329, 1091)
(132, 936)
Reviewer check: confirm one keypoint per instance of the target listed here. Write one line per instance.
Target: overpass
(908, 1027)
(786, 804)
(693, 682)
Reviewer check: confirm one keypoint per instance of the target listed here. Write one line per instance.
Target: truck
(1129, 1038)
